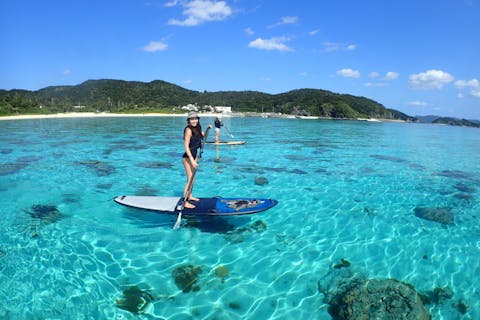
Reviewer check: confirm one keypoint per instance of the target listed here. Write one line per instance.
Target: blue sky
(419, 57)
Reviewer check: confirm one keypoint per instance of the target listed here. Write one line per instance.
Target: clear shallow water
(346, 189)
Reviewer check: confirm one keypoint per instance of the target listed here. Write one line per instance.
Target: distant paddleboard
(216, 206)
(226, 143)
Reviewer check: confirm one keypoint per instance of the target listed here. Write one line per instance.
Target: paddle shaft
(231, 135)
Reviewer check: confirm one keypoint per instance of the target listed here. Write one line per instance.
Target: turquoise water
(346, 190)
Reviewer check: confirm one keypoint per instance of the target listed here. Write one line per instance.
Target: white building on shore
(208, 108)
(223, 109)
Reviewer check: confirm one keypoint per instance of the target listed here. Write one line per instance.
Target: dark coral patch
(28, 159)
(186, 277)
(155, 165)
(297, 157)
(146, 191)
(224, 159)
(45, 213)
(251, 169)
(387, 158)
(343, 264)
(221, 272)
(455, 174)
(298, 171)
(464, 188)
(134, 300)
(441, 215)
(11, 168)
(101, 168)
(462, 307)
(440, 294)
(70, 198)
(463, 196)
(378, 299)
(261, 181)
(6, 151)
(104, 186)
(259, 226)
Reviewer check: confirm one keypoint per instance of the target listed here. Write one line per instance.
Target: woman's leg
(189, 171)
(217, 136)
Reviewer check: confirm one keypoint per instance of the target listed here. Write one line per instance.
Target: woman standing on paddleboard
(218, 125)
(192, 141)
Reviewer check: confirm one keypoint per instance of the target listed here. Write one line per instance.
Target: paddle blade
(179, 222)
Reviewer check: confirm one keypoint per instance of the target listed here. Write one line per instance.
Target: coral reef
(441, 215)
(343, 264)
(45, 213)
(261, 181)
(134, 300)
(352, 296)
(378, 299)
(221, 272)
(186, 277)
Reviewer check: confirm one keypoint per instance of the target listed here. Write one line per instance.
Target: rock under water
(387, 299)
(441, 215)
(186, 277)
(134, 300)
(45, 213)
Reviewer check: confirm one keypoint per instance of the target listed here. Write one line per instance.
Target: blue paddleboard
(216, 206)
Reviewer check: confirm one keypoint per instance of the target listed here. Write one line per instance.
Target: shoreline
(100, 115)
(208, 114)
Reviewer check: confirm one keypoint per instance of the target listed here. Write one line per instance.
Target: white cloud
(155, 46)
(473, 85)
(67, 72)
(391, 75)
(460, 84)
(270, 44)
(314, 32)
(289, 20)
(249, 31)
(285, 20)
(375, 84)
(418, 103)
(373, 74)
(303, 74)
(200, 11)
(430, 79)
(349, 73)
(333, 46)
(172, 3)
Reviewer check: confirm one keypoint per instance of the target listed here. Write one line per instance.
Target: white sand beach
(203, 114)
(101, 114)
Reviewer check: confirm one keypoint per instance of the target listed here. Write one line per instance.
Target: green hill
(160, 96)
(456, 122)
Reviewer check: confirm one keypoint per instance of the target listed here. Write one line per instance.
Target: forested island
(118, 96)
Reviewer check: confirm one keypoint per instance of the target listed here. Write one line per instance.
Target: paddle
(231, 135)
(190, 184)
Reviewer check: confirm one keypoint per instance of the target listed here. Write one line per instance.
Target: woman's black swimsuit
(218, 124)
(195, 143)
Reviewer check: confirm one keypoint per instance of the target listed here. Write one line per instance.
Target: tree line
(159, 96)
